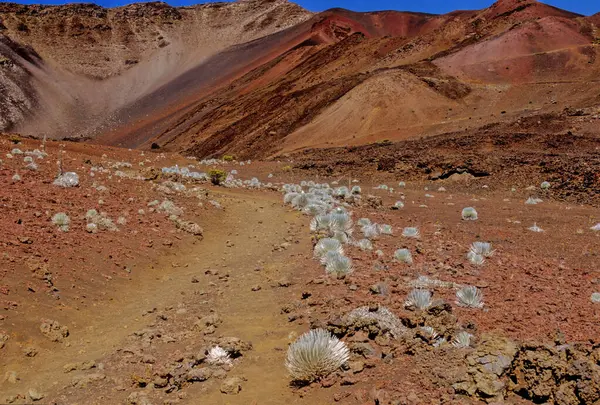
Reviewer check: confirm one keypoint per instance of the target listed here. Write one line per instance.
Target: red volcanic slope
(158, 111)
(336, 78)
(318, 84)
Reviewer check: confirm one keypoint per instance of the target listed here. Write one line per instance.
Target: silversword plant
(411, 232)
(469, 214)
(403, 256)
(469, 297)
(62, 220)
(418, 299)
(315, 355)
(462, 340)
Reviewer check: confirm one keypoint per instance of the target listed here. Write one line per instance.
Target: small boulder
(232, 385)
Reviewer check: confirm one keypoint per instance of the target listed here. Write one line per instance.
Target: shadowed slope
(96, 61)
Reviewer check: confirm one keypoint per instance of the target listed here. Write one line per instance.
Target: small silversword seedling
(462, 340)
(218, 356)
(482, 248)
(370, 231)
(595, 298)
(469, 214)
(62, 220)
(428, 332)
(403, 255)
(545, 185)
(475, 258)
(385, 229)
(398, 205)
(469, 297)
(365, 244)
(315, 355)
(410, 232)
(535, 228)
(418, 299)
(363, 222)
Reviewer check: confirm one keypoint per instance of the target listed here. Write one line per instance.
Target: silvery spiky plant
(401, 184)
(595, 298)
(382, 187)
(62, 220)
(545, 185)
(535, 228)
(418, 299)
(331, 255)
(475, 258)
(338, 265)
(340, 221)
(363, 222)
(288, 197)
(91, 227)
(410, 232)
(403, 255)
(428, 332)
(398, 205)
(342, 192)
(314, 209)
(315, 355)
(462, 340)
(301, 200)
(385, 229)
(320, 223)
(370, 231)
(469, 214)
(356, 190)
(328, 245)
(482, 248)
(343, 237)
(218, 356)
(596, 227)
(469, 297)
(365, 244)
(531, 201)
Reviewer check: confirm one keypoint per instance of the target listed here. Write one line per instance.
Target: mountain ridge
(214, 96)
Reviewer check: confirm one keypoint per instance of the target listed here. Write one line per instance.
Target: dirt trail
(238, 242)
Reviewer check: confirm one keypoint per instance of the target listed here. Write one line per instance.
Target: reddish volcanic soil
(126, 329)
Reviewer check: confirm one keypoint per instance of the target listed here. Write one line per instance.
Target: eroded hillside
(260, 79)
(91, 62)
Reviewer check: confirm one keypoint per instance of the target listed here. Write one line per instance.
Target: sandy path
(237, 242)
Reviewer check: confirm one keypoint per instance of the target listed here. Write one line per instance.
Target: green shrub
(228, 158)
(287, 168)
(217, 176)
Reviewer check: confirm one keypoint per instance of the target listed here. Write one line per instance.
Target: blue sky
(586, 7)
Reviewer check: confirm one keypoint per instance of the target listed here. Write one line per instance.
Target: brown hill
(95, 61)
(291, 80)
